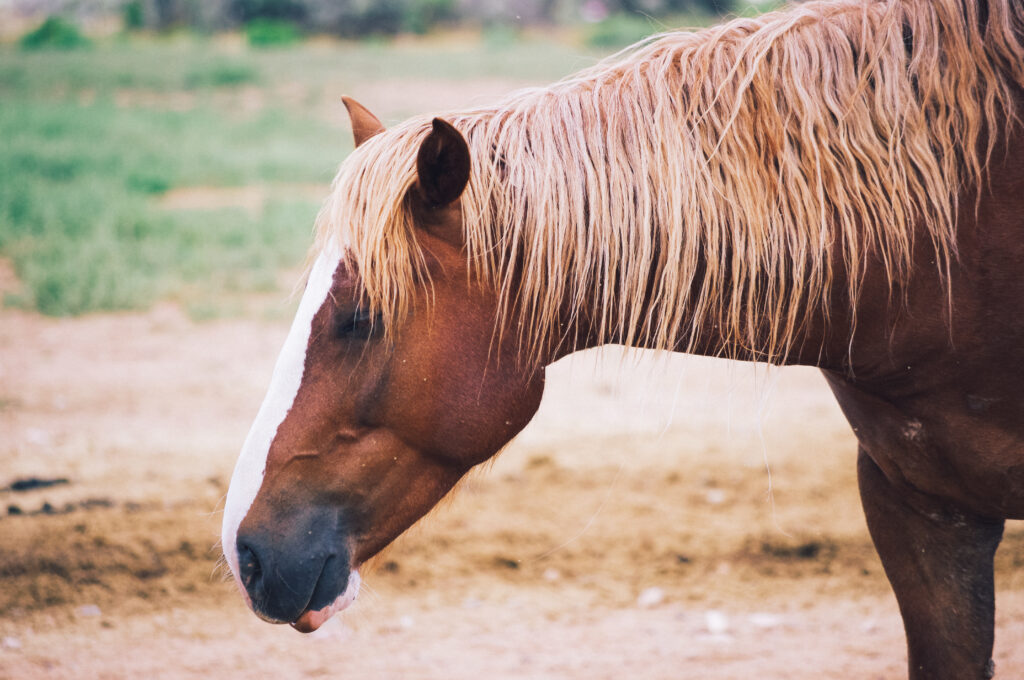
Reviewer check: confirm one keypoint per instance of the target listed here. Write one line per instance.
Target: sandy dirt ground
(662, 517)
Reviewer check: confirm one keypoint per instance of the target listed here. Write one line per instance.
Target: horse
(838, 184)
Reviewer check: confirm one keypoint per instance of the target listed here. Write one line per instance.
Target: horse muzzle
(300, 575)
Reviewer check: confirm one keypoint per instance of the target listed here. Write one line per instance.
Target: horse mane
(714, 180)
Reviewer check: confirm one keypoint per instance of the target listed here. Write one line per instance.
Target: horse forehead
(291, 362)
(290, 369)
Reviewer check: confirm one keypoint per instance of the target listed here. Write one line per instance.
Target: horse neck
(822, 339)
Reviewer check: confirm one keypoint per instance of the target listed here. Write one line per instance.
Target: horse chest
(965, 447)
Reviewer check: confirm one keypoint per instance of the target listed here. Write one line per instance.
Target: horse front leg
(939, 562)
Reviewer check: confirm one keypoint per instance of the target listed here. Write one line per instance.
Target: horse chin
(310, 620)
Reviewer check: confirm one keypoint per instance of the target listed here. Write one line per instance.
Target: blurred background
(161, 163)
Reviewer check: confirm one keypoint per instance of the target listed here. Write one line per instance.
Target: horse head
(367, 424)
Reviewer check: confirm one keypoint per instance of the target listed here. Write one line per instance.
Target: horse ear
(442, 165)
(364, 123)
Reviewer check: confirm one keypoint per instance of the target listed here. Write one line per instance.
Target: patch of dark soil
(807, 550)
(33, 483)
(105, 557)
(48, 508)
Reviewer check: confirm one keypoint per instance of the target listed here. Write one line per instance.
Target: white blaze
(284, 385)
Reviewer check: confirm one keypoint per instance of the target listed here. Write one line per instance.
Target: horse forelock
(706, 180)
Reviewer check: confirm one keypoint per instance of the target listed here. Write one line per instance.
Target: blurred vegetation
(55, 32)
(81, 228)
(624, 28)
(272, 33)
(620, 30)
(82, 168)
(362, 18)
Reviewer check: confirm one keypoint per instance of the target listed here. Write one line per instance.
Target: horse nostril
(249, 569)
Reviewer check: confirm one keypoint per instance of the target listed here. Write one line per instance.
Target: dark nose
(288, 574)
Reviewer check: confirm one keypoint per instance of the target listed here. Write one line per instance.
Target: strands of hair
(701, 183)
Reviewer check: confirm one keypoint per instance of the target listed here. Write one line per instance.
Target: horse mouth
(311, 619)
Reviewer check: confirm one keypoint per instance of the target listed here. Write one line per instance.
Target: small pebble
(10, 642)
(89, 610)
(716, 622)
(650, 597)
(552, 574)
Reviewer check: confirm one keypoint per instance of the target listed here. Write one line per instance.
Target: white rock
(89, 610)
(10, 642)
(650, 597)
(716, 622)
(552, 574)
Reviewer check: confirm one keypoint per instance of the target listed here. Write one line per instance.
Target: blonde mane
(709, 180)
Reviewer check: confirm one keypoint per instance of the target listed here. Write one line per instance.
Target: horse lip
(267, 619)
(307, 623)
(310, 620)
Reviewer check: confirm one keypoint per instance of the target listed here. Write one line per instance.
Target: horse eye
(360, 324)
